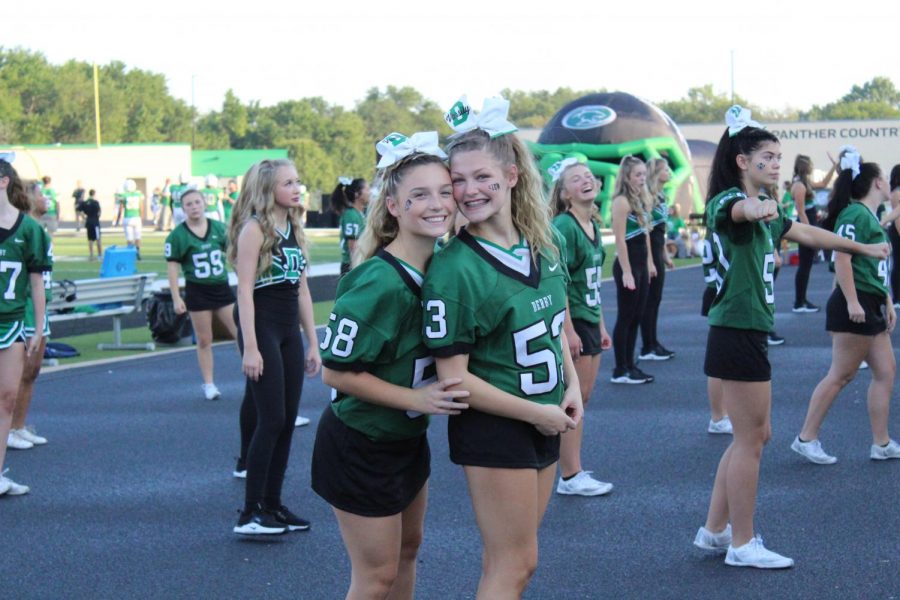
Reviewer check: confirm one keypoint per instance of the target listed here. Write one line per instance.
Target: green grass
(87, 344)
(71, 252)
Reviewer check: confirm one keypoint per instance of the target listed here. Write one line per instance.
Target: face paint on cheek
(760, 165)
(494, 187)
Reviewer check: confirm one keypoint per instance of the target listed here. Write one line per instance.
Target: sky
(789, 54)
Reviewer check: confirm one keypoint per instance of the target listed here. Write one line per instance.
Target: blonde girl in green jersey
(860, 313)
(27, 255)
(371, 460)
(572, 200)
(495, 303)
(745, 230)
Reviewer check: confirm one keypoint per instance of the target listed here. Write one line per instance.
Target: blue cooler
(118, 262)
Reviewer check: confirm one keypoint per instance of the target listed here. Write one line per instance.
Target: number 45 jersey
(376, 327)
(202, 259)
(505, 309)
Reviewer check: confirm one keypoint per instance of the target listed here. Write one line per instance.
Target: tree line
(43, 103)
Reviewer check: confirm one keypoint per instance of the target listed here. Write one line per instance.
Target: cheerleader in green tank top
(572, 199)
(860, 313)
(371, 460)
(350, 198)
(197, 247)
(745, 230)
(25, 250)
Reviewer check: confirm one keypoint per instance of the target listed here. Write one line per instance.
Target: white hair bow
(396, 146)
(557, 168)
(8, 156)
(737, 118)
(345, 180)
(850, 159)
(492, 119)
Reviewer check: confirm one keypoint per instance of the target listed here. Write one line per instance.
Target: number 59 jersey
(584, 259)
(201, 259)
(376, 327)
(24, 248)
(505, 309)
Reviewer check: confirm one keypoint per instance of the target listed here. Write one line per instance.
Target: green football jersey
(201, 259)
(708, 258)
(25, 248)
(212, 197)
(871, 275)
(131, 203)
(584, 259)
(745, 265)
(505, 309)
(52, 202)
(176, 191)
(352, 224)
(228, 205)
(376, 327)
(288, 262)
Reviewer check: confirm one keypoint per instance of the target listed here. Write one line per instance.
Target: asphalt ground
(133, 496)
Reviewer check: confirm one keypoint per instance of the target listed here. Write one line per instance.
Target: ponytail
(848, 188)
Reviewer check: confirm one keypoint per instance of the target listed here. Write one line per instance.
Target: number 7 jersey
(505, 309)
(24, 248)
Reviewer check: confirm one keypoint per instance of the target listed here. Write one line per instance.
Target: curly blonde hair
(256, 200)
(530, 213)
(381, 226)
(639, 200)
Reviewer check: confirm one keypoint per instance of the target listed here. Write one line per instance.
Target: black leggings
(269, 409)
(631, 303)
(807, 255)
(895, 269)
(654, 293)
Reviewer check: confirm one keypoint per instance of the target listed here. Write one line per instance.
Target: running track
(133, 497)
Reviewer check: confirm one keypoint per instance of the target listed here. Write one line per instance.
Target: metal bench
(129, 292)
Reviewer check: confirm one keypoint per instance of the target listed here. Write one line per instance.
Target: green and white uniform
(745, 265)
(505, 309)
(213, 199)
(131, 214)
(52, 202)
(871, 275)
(352, 224)
(376, 327)
(633, 227)
(201, 259)
(176, 191)
(25, 248)
(584, 259)
(227, 206)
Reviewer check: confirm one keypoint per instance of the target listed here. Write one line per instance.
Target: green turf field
(71, 251)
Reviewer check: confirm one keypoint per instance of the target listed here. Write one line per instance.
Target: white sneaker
(12, 488)
(892, 450)
(301, 421)
(812, 450)
(863, 366)
(211, 391)
(754, 554)
(28, 434)
(583, 484)
(723, 426)
(718, 542)
(17, 443)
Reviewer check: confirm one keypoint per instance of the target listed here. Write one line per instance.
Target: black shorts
(93, 231)
(837, 319)
(198, 296)
(737, 354)
(590, 336)
(479, 439)
(365, 477)
(709, 294)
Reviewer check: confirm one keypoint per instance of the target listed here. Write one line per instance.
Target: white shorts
(178, 216)
(133, 226)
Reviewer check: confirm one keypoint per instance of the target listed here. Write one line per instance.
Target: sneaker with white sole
(258, 521)
(653, 355)
(211, 392)
(717, 542)
(12, 488)
(805, 307)
(892, 450)
(863, 366)
(240, 469)
(28, 434)
(754, 554)
(812, 450)
(17, 443)
(722, 426)
(628, 376)
(301, 421)
(583, 484)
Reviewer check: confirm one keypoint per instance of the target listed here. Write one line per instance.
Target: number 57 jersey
(505, 309)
